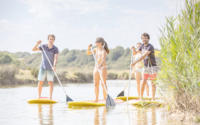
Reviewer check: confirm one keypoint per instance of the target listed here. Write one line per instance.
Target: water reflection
(59, 114)
(153, 115)
(145, 116)
(45, 114)
(100, 117)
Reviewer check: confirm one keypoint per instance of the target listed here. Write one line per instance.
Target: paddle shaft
(54, 71)
(130, 72)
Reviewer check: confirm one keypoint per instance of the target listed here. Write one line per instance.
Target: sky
(77, 23)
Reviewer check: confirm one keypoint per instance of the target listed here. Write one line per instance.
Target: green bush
(116, 53)
(83, 77)
(7, 74)
(179, 77)
(34, 72)
(5, 59)
(123, 76)
(112, 76)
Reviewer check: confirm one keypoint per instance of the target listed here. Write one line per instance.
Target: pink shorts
(149, 76)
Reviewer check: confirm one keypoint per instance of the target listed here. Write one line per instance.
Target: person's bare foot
(96, 100)
(141, 99)
(50, 98)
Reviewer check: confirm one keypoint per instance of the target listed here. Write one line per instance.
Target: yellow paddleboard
(85, 104)
(124, 98)
(41, 101)
(147, 104)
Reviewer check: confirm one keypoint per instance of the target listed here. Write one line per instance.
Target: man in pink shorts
(150, 66)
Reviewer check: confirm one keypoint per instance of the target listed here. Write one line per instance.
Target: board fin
(68, 99)
(120, 94)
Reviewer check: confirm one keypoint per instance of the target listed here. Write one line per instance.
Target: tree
(5, 59)
(116, 53)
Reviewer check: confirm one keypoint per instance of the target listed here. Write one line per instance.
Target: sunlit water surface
(14, 109)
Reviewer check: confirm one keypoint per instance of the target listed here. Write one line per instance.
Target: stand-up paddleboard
(124, 98)
(147, 104)
(75, 104)
(85, 104)
(43, 100)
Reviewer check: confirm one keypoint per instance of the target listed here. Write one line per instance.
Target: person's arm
(141, 58)
(89, 52)
(36, 47)
(146, 53)
(134, 52)
(55, 61)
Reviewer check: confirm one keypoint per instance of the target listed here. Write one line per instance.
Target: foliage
(73, 65)
(118, 58)
(8, 58)
(7, 74)
(34, 72)
(180, 54)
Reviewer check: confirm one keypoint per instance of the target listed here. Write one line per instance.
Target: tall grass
(179, 77)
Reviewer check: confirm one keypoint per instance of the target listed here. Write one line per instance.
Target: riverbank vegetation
(179, 77)
(74, 66)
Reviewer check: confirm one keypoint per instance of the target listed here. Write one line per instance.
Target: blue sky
(76, 23)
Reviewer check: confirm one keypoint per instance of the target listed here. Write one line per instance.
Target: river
(14, 109)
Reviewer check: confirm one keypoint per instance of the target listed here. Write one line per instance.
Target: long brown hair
(103, 43)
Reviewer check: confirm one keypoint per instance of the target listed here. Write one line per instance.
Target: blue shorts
(43, 74)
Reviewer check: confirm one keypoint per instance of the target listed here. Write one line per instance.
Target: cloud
(3, 25)
(50, 8)
(76, 23)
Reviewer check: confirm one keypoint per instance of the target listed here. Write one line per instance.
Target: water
(14, 109)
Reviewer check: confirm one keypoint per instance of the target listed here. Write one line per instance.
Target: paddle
(68, 99)
(109, 100)
(130, 72)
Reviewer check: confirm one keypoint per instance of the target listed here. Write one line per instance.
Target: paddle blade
(68, 99)
(109, 101)
(121, 94)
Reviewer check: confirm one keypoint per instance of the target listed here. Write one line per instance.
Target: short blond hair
(52, 35)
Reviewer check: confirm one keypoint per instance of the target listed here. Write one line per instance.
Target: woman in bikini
(138, 68)
(100, 52)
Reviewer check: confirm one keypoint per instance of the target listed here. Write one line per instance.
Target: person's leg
(153, 77)
(143, 85)
(104, 86)
(153, 90)
(50, 89)
(96, 84)
(50, 78)
(138, 78)
(41, 78)
(147, 89)
(40, 83)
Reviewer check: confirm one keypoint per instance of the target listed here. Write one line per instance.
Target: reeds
(179, 77)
